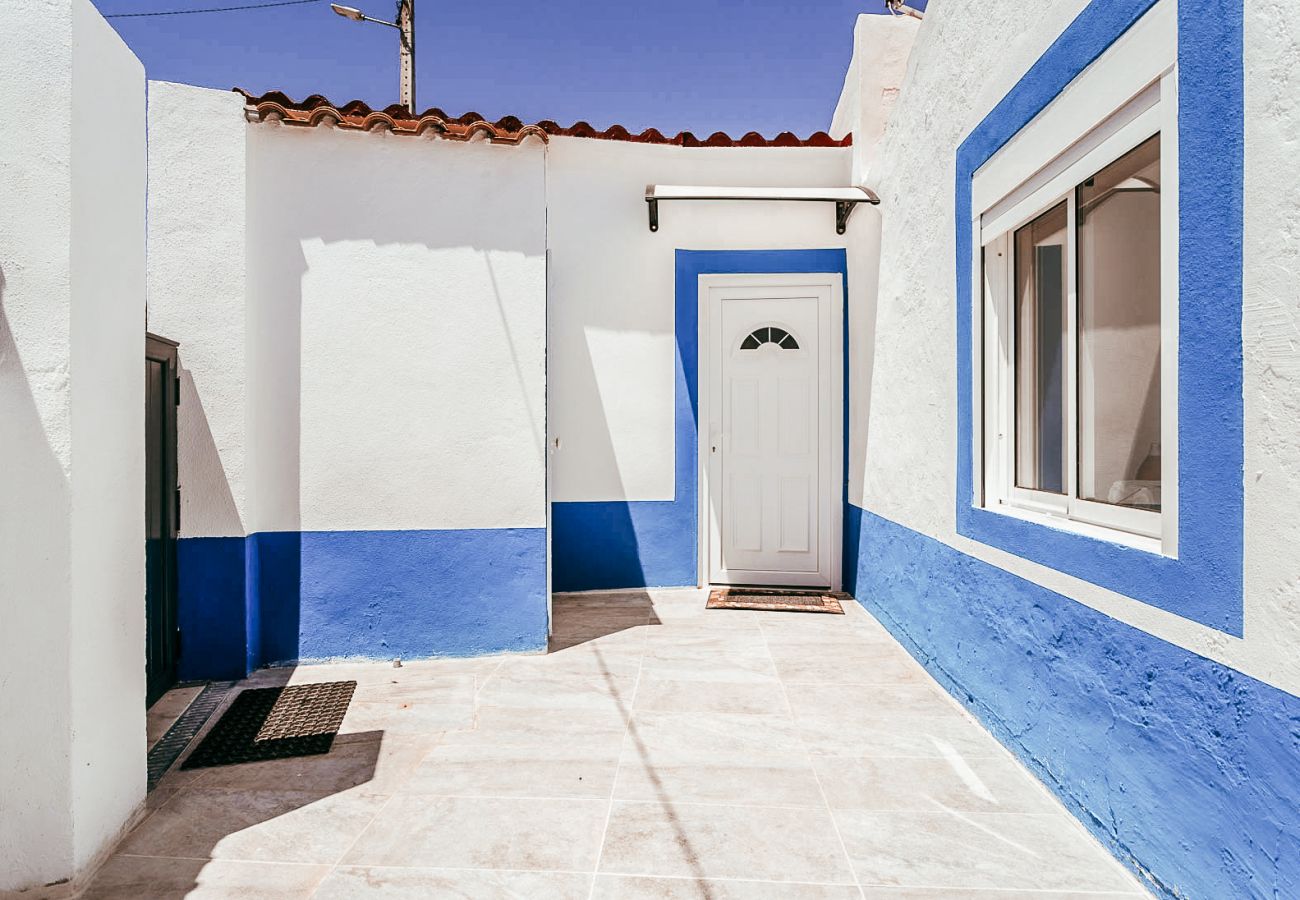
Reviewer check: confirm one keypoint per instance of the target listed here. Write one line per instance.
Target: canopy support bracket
(843, 209)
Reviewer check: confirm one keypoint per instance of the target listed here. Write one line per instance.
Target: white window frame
(1128, 95)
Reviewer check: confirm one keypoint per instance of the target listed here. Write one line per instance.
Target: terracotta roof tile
(358, 116)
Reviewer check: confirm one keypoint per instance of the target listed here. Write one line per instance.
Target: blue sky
(696, 65)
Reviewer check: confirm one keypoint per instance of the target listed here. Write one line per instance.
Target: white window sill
(1098, 532)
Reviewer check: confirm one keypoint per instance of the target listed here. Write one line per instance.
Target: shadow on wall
(210, 506)
(35, 565)
(212, 599)
(390, 317)
(577, 564)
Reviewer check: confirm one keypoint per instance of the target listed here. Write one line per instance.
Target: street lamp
(405, 26)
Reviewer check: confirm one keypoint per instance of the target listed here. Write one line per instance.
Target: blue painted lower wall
(280, 597)
(595, 546)
(1186, 768)
(212, 608)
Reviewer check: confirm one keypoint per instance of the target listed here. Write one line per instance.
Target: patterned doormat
(781, 601)
(275, 723)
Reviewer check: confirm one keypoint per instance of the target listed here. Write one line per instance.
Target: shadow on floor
(580, 618)
(307, 808)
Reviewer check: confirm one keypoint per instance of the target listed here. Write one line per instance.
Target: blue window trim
(1205, 583)
(655, 543)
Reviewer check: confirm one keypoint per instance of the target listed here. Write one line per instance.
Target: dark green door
(162, 516)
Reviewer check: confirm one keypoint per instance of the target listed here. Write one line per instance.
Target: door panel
(161, 518)
(795, 511)
(769, 418)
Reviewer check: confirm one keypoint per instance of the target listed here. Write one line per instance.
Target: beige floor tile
(951, 849)
(407, 717)
(492, 777)
(741, 780)
(559, 771)
(375, 767)
(507, 729)
(710, 696)
(710, 629)
(480, 833)
(151, 878)
(605, 620)
(723, 842)
(731, 668)
(630, 639)
(871, 735)
(715, 734)
(854, 641)
(270, 826)
(884, 665)
(851, 625)
(558, 690)
(583, 659)
(347, 882)
(603, 600)
(177, 779)
(702, 645)
(624, 887)
(856, 700)
(697, 612)
(720, 659)
(455, 689)
(988, 784)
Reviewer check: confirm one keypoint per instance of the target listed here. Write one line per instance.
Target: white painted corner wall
(72, 292)
(965, 60)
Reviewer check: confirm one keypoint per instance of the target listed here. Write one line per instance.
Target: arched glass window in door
(770, 335)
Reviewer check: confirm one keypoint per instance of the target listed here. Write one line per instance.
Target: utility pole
(405, 26)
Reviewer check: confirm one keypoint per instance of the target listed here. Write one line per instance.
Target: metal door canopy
(844, 198)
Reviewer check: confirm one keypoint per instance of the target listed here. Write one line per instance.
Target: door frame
(165, 351)
(707, 311)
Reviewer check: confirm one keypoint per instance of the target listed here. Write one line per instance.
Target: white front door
(770, 441)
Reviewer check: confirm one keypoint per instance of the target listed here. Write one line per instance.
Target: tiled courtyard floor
(659, 751)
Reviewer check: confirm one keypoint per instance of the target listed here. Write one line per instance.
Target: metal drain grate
(779, 601)
(172, 744)
(275, 723)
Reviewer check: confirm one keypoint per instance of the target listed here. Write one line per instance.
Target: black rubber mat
(275, 723)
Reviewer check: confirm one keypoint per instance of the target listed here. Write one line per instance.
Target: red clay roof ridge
(356, 115)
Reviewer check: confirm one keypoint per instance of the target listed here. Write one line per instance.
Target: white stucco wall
(108, 297)
(612, 343)
(72, 400)
(966, 58)
(35, 454)
(196, 291)
(882, 46)
(396, 332)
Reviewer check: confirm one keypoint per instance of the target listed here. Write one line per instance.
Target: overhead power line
(218, 9)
